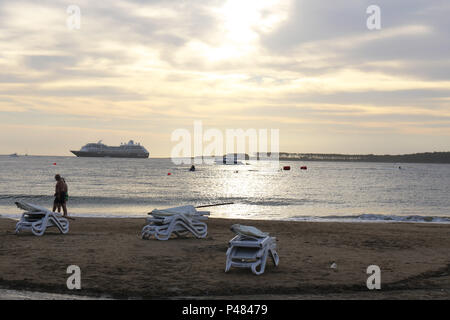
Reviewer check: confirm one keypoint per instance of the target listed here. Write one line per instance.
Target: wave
(8, 199)
(99, 203)
(23, 196)
(158, 199)
(374, 218)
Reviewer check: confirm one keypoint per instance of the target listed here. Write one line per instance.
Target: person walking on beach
(61, 190)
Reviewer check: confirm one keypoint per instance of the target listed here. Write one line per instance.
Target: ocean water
(326, 191)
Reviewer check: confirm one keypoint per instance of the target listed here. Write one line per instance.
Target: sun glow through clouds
(243, 22)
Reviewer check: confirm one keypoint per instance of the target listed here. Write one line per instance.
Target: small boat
(232, 162)
(232, 159)
(14, 155)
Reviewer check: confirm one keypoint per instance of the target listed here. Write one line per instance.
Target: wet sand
(115, 263)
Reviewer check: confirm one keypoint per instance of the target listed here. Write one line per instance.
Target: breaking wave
(374, 218)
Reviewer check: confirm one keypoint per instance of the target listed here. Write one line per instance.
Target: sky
(142, 69)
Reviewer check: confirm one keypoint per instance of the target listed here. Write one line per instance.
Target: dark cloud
(108, 93)
(426, 98)
(311, 21)
(40, 62)
(329, 24)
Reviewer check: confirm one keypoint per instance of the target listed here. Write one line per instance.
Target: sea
(325, 191)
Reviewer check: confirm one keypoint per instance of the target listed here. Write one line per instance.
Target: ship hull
(109, 154)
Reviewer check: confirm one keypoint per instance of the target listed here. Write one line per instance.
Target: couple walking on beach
(61, 195)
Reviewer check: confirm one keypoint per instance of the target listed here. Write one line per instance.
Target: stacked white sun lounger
(178, 221)
(250, 248)
(38, 219)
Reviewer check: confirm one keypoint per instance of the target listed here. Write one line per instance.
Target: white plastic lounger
(250, 248)
(179, 221)
(38, 219)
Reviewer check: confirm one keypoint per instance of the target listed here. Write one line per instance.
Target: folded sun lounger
(179, 221)
(38, 219)
(250, 248)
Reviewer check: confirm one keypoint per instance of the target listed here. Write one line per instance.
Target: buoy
(304, 168)
(54, 163)
(169, 174)
(287, 168)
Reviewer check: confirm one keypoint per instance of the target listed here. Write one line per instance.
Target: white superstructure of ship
(125, 150)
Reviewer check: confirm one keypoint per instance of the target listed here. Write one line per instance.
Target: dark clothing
(60, 198)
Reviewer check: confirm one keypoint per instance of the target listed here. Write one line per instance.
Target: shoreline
(116, 263)
(435, 294)
(412, 219)
(11, 294)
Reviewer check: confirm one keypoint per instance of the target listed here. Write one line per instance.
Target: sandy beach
(115, 263)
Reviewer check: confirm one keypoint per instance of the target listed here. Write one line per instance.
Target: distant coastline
(425, 157)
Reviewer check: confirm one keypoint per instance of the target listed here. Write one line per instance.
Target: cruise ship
(125, 150)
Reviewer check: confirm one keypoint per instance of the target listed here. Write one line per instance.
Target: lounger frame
(39, 220)
(162, 227)
(251, 252)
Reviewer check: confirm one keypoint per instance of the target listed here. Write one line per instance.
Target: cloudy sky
(141, 69)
